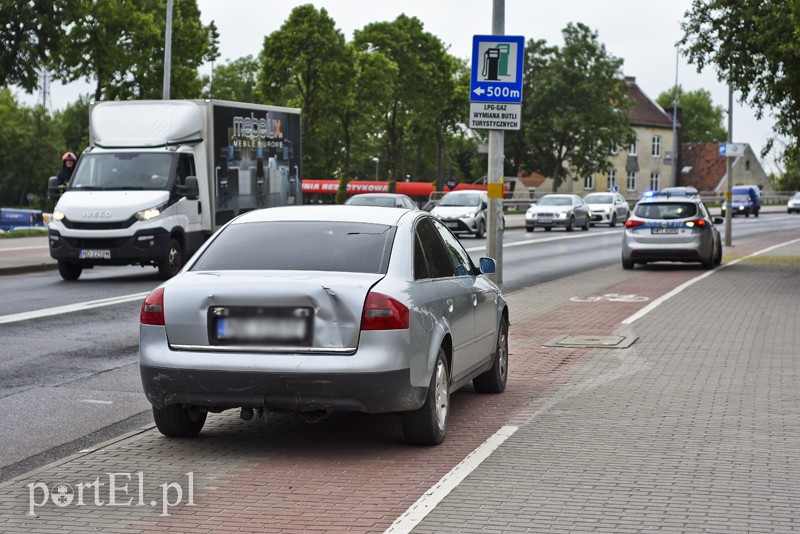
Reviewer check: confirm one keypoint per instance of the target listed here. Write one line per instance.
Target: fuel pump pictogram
(495, 62)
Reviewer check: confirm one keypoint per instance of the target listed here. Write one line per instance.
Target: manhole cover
(601, 342)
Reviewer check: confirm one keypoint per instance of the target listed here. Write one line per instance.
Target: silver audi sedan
(315, 309)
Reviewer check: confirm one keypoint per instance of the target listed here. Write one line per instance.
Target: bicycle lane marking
(660, 300)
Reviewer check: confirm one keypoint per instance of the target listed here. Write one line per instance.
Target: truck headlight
(149, 213)
(58, 215)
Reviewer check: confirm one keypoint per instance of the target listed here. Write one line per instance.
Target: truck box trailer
(160, 176)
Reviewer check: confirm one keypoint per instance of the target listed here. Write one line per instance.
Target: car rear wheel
(428, 425)
(175, 421)
(69, 271)
(627, 265)
(494, 380)
(585, 226)
(718, 258)
(173, 261)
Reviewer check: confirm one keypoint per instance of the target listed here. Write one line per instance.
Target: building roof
(644, 111)
(701, 166)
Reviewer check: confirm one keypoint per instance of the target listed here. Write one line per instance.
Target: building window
(612, 180)
(747, 164)
(655, 179)
(656, 146)
(633, 149)
(588, 182)
(632, 181)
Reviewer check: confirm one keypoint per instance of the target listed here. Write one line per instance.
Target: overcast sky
(641, 32)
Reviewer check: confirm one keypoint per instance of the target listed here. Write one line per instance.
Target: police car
(671, 226)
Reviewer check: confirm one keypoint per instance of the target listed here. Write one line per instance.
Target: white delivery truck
(160, 176)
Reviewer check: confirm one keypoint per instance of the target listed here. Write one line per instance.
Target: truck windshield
(123, 171)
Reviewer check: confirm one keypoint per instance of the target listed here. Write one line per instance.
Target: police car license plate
(95, 255)
(664, 230)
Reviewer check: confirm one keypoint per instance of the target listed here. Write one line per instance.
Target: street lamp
(377, 162)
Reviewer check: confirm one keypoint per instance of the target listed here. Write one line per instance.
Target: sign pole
(729, 185)
(494, 241)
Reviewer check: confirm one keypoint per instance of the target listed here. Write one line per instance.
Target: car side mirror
(484, 205)
(719, 220)
(191, 188)
(488, 266)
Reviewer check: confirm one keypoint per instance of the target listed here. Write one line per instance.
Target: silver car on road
(607, 208)
(671, 227)
(566, 210)
(315, 309)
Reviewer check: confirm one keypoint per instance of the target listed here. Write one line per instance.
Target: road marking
(611, 297)
(425, 504)
(657, 302)
(546, 239)
(36, 247)
(69, 308)
(95, 401)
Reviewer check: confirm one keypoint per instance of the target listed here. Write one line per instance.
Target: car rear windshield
(666, 210)
(300, 246)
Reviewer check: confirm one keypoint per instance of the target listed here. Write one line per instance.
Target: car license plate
(664, 230)
(452, 225)
(545, 221)
(260, 326)
(95, 255)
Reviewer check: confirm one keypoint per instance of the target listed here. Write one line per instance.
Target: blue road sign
(497, 68)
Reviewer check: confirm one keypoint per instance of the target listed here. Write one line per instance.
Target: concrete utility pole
(729, 185)
(168, 51)
(674, 177)
(494, 231)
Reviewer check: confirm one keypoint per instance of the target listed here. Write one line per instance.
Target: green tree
(120, 44)
(30, 151)
(362, 103)
(73, 125)
(300, 65)
(702, 120)
(30, 32)
(237, 81)
(418, 56)
(754, 47)
(576, 106)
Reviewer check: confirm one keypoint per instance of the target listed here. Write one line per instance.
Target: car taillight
(699, 223)
(153, 308)
(633, 223)
(383, 313)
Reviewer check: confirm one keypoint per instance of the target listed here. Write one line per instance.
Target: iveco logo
(96, 214)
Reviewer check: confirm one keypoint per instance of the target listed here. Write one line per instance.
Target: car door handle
(474, 300)
(450, 305)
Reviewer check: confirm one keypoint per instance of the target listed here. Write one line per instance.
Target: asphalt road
(69, 379)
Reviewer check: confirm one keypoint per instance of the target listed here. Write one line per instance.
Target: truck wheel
(69, 271)
(173, 262)
(494, 380)
(176, 421)
(428, 425)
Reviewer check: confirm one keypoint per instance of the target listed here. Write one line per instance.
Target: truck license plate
(95, 255)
